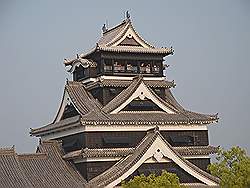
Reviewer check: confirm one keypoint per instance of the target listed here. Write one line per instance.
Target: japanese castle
(117, 119)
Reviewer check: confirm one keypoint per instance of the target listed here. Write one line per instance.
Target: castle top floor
(121, 51)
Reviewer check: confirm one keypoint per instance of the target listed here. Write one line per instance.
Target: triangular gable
(128, 32)
(129, 41)
(153, 145)
(142, 105)
(76, 95)
(160, 150)
(66, 101)
(142, 92)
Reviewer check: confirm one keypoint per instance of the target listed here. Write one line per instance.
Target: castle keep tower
(118, 117)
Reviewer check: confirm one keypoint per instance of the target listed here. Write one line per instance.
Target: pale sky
(210, 65)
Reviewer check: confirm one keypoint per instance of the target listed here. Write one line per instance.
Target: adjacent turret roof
(46, 168)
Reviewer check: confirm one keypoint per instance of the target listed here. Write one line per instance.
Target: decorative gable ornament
(158, 155)
(143, 92)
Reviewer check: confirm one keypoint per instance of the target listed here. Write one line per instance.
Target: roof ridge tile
(7, 151)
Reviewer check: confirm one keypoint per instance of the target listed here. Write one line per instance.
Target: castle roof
(123, 38)
(51, 167)
(184, 151)
(94, 114)
(46, 168)
(104, 82)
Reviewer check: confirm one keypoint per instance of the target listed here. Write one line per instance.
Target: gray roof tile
(41, 170)
(121, 152)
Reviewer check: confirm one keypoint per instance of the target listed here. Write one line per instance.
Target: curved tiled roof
(196, 150)
(93, 113)
(110, 34)
(181, 114)
(125, 83)
(41, 170)
(113, 35)
(11, 172)
(136, 49)
(81, 98)
(121, 152)
(66, 123)
(119, 99)
(116, 33)
(104, 152)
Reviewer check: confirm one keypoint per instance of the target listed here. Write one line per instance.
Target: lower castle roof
(48, 167)
(121, 152)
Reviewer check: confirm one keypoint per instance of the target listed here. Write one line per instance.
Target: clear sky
(210, 65)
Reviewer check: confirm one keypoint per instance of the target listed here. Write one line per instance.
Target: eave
(186, 151)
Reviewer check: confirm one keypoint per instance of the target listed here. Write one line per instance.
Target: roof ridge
(20, 177)
(73, 83)
(102, 180)
(115, 102)
(114, 27)
(121, 34)
(51, 142)
(191, 165)
(64, 122)
(28, 156)
(7, 151)
(163, 101)
(82, 99)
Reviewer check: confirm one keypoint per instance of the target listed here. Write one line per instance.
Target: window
(182, 140)
(116, 141)
(69, 111)
(108, 65)
(78, 73)
(156, 67)
(145, 67)
(132, 67)
(142, 105)
(119, 66)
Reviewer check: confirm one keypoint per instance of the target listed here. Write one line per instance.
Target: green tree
(232, 167)
(152, 181)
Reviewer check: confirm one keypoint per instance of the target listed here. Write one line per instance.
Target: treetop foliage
(152, 181)
(232, 167)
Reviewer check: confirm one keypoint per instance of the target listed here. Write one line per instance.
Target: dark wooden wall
(156, 168)
(130, 139)
(113, 139)
(201, 163)
(200, 138)
(73, 142)
(90, 170)
(110, 92)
